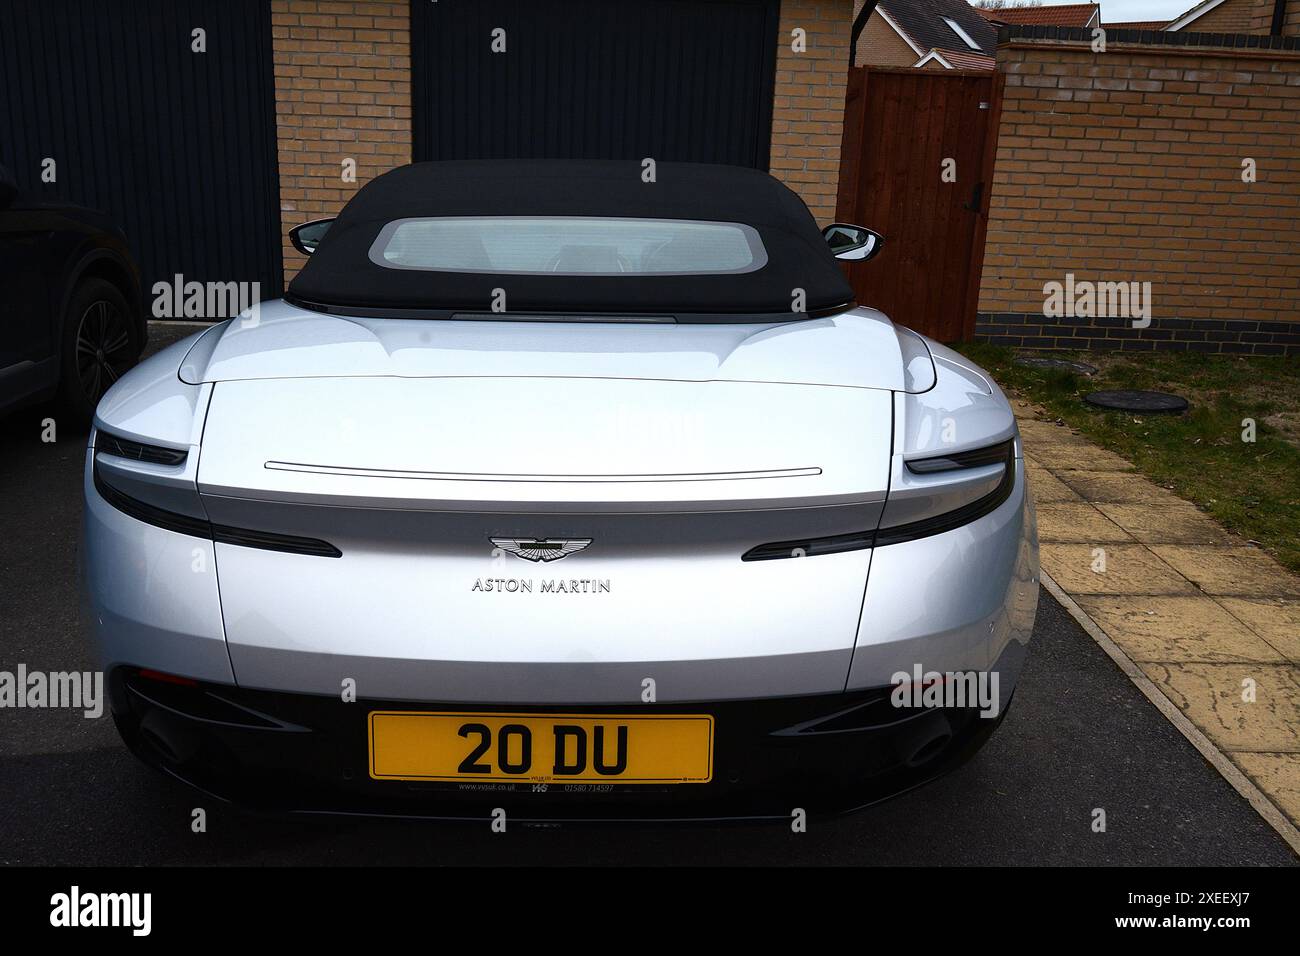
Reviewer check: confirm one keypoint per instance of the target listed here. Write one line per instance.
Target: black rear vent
(201, 704)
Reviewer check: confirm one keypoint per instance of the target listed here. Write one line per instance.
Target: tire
(98, 346)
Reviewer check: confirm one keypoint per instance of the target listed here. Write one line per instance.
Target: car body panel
(149, 596)
(541, 444)
(670, 480)
(860, 348)
(412, 626)
(962, 412)
(954, 602)
(155, 406)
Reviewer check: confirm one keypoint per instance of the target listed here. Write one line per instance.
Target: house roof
(922, 22)
(1055, 15)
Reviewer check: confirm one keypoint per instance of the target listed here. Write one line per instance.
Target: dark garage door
(685, 80)
(178, 147)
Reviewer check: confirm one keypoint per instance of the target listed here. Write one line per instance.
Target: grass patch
(1250, 488)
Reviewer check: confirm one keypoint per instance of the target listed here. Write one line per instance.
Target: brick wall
(1231, 16)
(1246, 16)
(343, 91)
(880, 45)
(1263, 17)
(808, 114)
(1127, 166)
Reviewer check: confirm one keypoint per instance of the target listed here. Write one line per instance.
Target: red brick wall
(1262, 17)
(1127, 166)
(343, 91)
(1245, 16)
(1231, 16)
(808, 115)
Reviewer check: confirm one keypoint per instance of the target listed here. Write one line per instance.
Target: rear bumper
(294, 753)
(275, 736)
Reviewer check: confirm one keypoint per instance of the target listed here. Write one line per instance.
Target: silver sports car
(564, 490)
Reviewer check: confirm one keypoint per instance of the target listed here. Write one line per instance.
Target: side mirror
(8, 187)
(308, 236)
(853, 243)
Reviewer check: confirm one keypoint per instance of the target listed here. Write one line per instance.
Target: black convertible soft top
(341, 275)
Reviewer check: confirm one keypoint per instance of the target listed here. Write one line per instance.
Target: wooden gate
(901, 130)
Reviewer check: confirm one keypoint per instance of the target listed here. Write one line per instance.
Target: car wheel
(98, 346)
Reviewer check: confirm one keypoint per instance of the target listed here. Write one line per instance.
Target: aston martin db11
(563, 490)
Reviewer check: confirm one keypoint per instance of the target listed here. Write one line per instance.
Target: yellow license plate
(541, 748)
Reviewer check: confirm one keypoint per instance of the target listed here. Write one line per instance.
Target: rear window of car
(572, 246)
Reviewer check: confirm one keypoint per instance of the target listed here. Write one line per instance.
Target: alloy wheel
(103, 348)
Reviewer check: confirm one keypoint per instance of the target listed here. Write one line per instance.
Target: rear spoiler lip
(535, 315)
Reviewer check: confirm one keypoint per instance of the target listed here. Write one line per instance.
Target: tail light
(927, 496)
(932, 495)
(158, 485)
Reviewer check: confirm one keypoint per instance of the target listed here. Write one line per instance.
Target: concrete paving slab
(1129, 569)
(1046, 487)
(1114, 486)
(1158, 628)
(1276, 620)
(1078, 522)
(1080, 455)
(1230, 570)
(1182, 523)
(1211, 695)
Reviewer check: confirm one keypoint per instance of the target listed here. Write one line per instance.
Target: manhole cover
(1130, 400)
(1082, 368)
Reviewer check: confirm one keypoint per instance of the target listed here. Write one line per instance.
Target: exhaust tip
(924, 740)
(929, 750)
